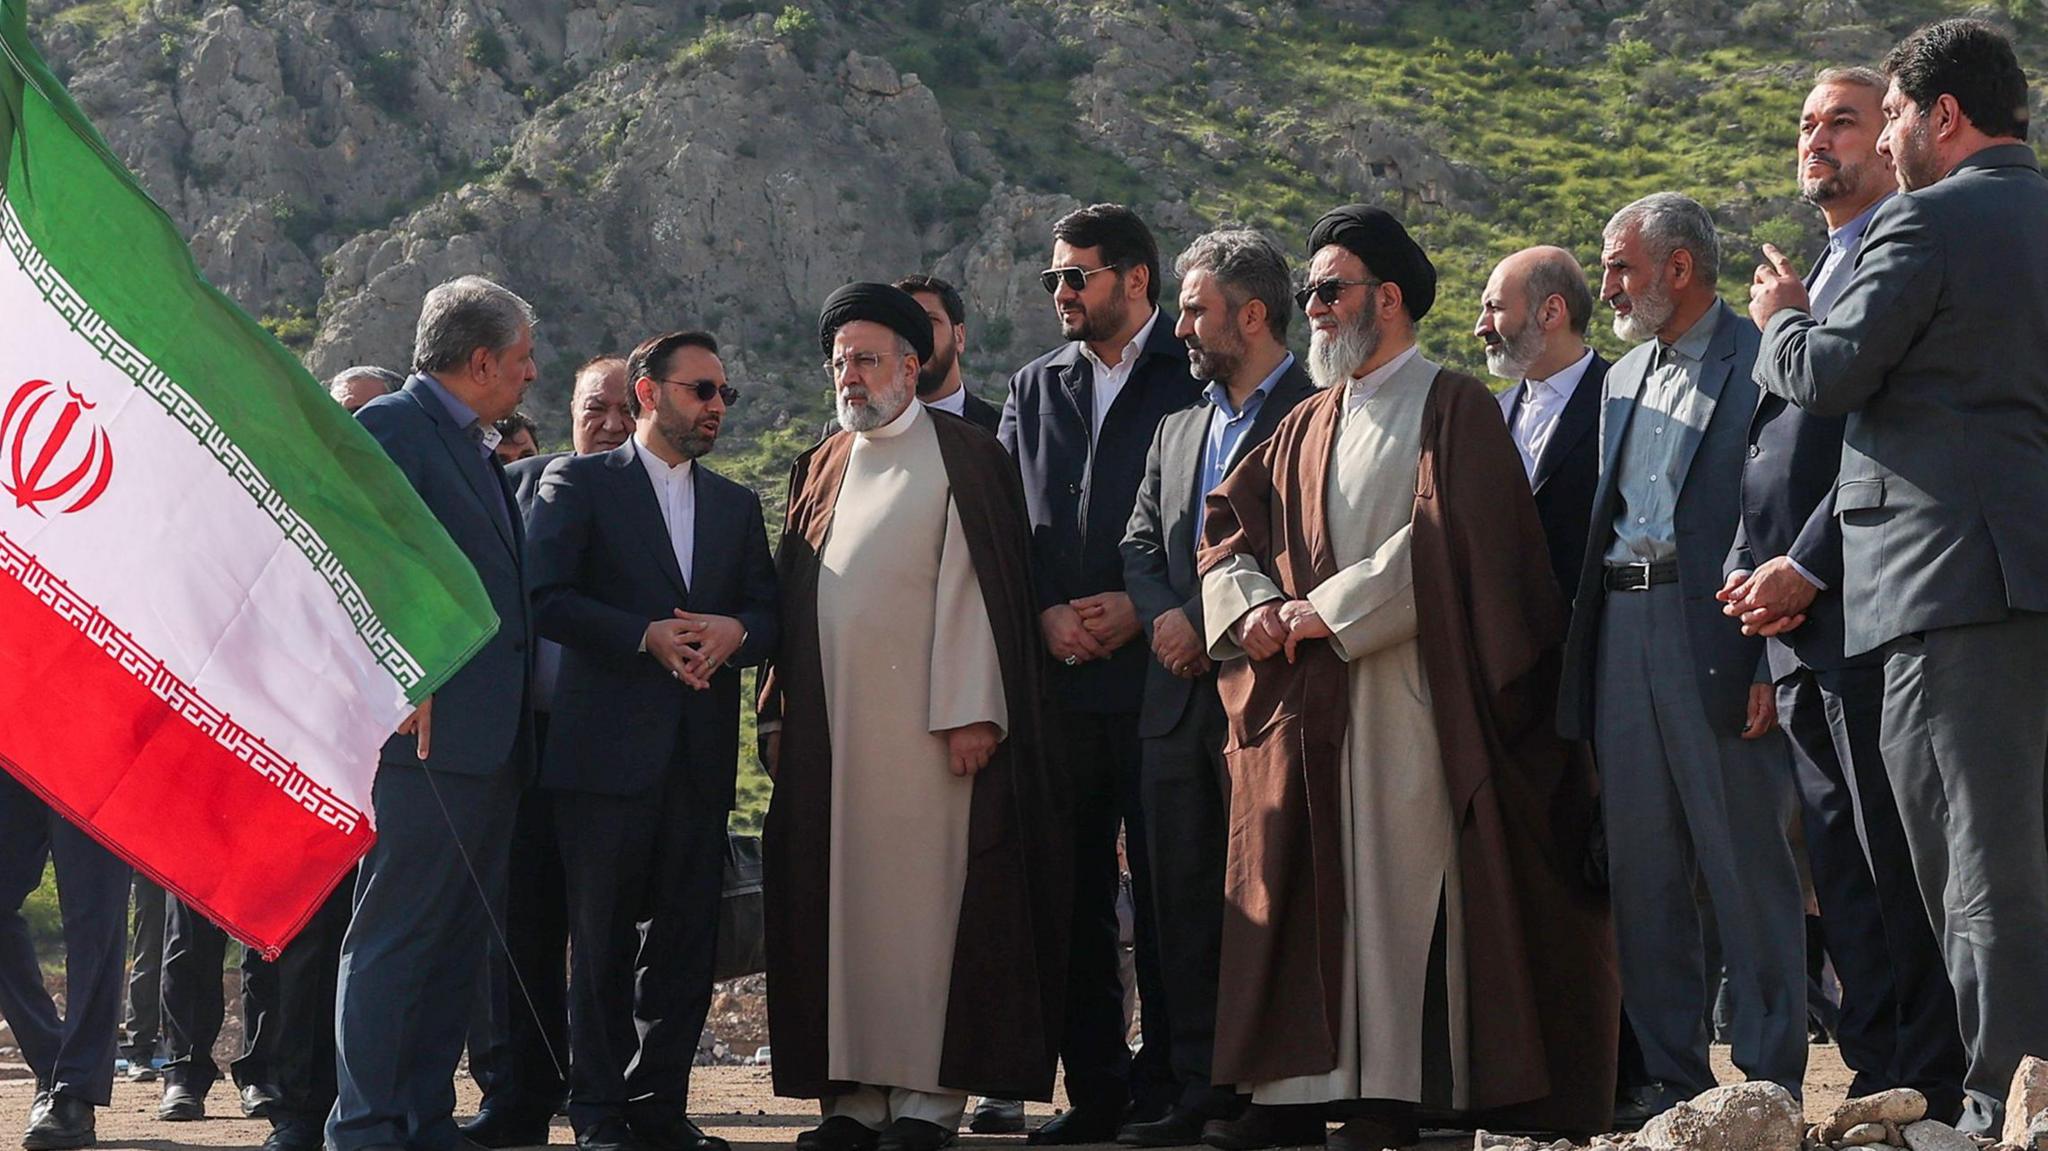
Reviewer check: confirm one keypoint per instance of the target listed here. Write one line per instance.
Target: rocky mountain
(632, 167)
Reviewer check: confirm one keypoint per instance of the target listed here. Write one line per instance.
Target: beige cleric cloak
(1540, 961)
(1006, 998)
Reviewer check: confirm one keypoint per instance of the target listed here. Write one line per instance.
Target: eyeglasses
(705, 389)
(1076, 279)
(865, 361)
(1328, 290)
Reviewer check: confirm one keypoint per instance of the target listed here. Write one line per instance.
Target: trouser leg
(92, 894)
(25, 822)
(142, 1025)
(194, 1001)
(678, 950)
(1097, 1061)
(1965, 741)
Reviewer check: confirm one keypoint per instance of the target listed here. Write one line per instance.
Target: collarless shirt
(1227, 430)
(1540, 406)
(1671, 414)
(1109, 381)
(1835, 266)
(1360, 390)
(675, 489)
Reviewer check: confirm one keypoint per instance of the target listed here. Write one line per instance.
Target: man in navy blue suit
(653, 574)
(431, 888)
(1080, 421)
(1898, 1024)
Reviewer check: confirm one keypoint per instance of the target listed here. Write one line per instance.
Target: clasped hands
(1278, 627)
(1771, 600)
(1089, 628)
(692, 646)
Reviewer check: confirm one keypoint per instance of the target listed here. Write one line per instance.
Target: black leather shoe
(1641, 1104)
(1262, 1127)
(907, 1134)
(181, 1104)
(670, 1131)
(608, 1135)
(63, 1123)
(295, 1136)
(1179, 1127)
(997, 1117)
(838, 1133)
(1086, 1124)
(256, 1099)
(496, 1127)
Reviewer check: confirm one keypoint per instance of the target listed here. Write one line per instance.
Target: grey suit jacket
(1725, 661)
(1937, 349)
(1159, 543)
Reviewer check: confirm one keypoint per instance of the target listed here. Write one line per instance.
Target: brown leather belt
(1641, 576)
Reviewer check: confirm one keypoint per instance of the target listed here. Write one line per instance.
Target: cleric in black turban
(893, 308)
(1376, 237)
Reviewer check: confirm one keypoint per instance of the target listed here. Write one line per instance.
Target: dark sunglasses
(1328, 290)
(705, 389)
(1076, 279)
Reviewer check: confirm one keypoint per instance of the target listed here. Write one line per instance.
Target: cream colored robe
(908, 653)
(1401, 838)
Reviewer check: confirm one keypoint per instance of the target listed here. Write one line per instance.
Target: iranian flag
(217, 596)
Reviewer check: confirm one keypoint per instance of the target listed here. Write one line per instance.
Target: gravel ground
(735, 1102)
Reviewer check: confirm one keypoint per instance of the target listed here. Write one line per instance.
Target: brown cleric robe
(1539, 946)
(1006, 997)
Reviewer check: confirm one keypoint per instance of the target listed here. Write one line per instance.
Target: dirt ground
(735, 1102)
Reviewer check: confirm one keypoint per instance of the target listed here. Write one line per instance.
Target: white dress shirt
(1539, 407)
(1109, 382)
(675, 489)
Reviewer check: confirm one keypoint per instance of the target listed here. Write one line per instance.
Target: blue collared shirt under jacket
(1227, 430)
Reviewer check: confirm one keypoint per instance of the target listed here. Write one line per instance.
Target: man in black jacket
(939, 383)
(1233, 317)
(1079, 421)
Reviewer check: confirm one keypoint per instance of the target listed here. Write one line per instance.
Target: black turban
(1375, 236)
(893, 308)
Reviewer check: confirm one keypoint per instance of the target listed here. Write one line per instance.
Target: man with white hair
(915, 861)
(356, 386)
(1695, 777)
(448, 782)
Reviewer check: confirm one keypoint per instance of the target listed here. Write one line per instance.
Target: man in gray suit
(1695, 777)
(1937, 351)
(432, 887)
(1233, 317)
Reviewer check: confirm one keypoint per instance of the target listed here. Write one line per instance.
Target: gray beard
(1333, 360)
(881, 407)
(1652, 311)
(1511, 358)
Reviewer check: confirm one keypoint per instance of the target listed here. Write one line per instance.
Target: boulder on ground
(1901, 1105)
(1737, 1117)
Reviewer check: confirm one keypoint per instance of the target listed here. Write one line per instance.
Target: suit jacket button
(1755, 451)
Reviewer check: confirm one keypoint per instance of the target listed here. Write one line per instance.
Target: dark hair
(651, 359)
(949, 296)
(1969, 60)
(518, 422)
(1124, 239)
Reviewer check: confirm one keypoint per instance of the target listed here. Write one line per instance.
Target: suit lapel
(1622, 400)
(483, 482)
(1715, 370)
(1181, 469)
(642, 510)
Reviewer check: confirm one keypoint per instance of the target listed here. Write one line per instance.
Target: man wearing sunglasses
(653, 574)
(1080, 420)
(1403, 936)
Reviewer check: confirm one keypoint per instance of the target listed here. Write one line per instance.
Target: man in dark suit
(519, 1033)
(432, 887)
(939, 382)
(194, 1004)
(1234, 310)
(1532, 318)
(1936, 349)
(1694, 775)
(653, 574)
(1898, 1024)
(72, 1055)
(1079, 421)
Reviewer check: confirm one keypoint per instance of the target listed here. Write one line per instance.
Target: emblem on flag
(41, 460)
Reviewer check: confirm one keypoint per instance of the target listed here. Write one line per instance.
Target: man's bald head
(1534, 313)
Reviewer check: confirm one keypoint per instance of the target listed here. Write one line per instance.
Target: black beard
(932, 376)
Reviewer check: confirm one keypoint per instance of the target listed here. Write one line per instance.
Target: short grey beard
(871, 415)
(1653, 309)
(1512, 358)
(1334, 359)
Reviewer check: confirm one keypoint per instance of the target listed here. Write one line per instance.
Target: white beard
(1333, 359)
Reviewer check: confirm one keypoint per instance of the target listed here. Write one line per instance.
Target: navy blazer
(480, 718)
(524, 476)
(1079, 494)
(1159, 542)
(603, 569)
(981, 413)
(1788, 509)
(1725, 661)
(1567, 472)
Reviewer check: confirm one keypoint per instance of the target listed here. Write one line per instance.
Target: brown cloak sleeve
(1540, 950)
(1007, 996)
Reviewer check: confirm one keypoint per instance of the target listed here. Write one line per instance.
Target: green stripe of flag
(320, 475)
